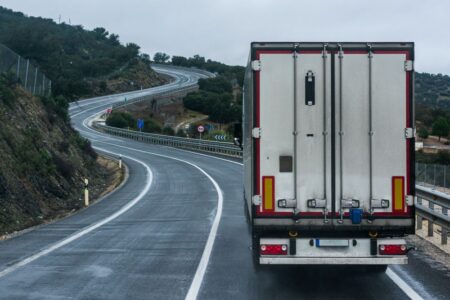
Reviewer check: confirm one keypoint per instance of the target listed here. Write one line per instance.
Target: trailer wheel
(255, 251)
(248, 218)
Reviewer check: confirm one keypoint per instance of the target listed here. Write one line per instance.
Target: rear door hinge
(256, 65)
(409, 65)
(256, 200)
(410, 133)
(256, 132)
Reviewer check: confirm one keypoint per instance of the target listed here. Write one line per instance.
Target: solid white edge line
(403, 285)
(90, 228)
(204, 260)
(203, 264)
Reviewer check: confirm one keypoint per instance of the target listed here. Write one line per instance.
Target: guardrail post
(444, 235)
(430, 228)
(419, 222)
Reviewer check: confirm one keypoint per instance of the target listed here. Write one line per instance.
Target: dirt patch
(113, 177)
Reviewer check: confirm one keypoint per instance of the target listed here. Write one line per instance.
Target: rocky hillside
(42, 159)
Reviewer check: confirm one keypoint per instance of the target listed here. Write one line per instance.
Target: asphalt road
(177, 229)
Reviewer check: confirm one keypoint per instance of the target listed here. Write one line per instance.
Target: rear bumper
(340, 251)
(402, 260)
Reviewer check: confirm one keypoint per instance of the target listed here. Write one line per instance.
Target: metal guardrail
(196, 70)
(222, 148)
(157, 96)
(435, 213)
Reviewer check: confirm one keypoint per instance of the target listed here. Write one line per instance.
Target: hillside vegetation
(43, 161)
(80, 62)
(433, 90)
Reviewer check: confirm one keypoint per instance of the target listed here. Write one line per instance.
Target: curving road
(176, 229)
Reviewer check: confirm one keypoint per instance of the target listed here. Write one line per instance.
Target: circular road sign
(200, 129)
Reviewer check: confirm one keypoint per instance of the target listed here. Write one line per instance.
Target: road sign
(201, 129)
(140, 123)
(220, 137)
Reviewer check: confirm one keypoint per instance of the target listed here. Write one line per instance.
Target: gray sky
(222, 29)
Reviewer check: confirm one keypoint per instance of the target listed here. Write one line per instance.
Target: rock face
(42, 160)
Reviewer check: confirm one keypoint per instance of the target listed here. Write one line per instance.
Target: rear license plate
(332, 243)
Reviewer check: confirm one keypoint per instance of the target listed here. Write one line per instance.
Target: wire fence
(28, 75)
(433, 175)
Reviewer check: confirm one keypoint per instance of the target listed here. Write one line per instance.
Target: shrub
(168, 131)
(151, 126)
(121, 120)
(423, 133)
(64, 167)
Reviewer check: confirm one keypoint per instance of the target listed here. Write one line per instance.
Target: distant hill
(80, 62)
(432, 90)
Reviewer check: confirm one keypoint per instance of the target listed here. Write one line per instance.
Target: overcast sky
(222, 29)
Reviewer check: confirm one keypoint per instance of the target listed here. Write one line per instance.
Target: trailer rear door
(332, 133)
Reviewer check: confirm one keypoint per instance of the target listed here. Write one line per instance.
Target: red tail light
(392, 249)
(273, 249)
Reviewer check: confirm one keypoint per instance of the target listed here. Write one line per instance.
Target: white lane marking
(403, 285)
(204, 260)
(90, 228)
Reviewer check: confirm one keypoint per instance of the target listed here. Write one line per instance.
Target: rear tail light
(273, 249)
(392, 249)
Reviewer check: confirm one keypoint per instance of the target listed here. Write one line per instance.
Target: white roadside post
(86, 192)
(120, 161)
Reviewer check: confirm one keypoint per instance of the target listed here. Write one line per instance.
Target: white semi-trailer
(328, 137)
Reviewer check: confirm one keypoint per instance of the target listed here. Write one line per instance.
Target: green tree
(100, 32)
(423, 133)
(161, 58)
(441, 127)
(180, 61)
(217, 84)
(181, 133)
(168, 131)
(151, 126)
(121, 120)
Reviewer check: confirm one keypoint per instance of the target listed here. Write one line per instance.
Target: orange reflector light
(268, 193)
(398, 193)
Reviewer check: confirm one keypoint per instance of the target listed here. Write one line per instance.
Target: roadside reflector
(398, 193)
(268, 192)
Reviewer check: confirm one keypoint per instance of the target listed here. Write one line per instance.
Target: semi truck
(328, 152)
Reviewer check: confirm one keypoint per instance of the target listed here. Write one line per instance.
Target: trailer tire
(255, 251)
